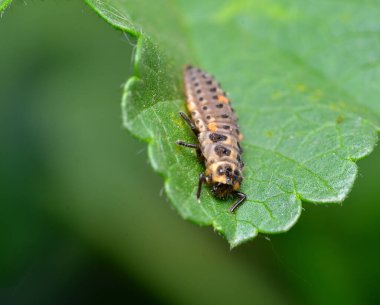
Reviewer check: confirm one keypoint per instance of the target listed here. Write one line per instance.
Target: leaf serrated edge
(136, 60)
(136, 77)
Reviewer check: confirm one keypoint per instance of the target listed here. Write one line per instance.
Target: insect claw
(242, 198)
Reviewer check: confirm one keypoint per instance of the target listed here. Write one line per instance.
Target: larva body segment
(214, 122)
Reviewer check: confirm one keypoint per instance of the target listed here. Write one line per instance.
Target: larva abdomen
(214, 122)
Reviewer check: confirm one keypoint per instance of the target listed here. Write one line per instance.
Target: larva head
(226, 178)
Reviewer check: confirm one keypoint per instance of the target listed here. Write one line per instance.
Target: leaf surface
(303, 77)
(4, 4)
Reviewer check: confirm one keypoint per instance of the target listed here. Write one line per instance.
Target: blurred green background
(83, 218)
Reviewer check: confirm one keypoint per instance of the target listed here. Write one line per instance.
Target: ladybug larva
(214, 123)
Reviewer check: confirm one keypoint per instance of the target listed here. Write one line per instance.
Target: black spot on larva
(208, 117)
(226, 127)
(212, 161)
(193, 113)
(209, 82)
(215, 97)
(189, 67)
(228, 172)
(221, 151)
(237, 131)
(240, 149)
(193, 78)
(238, 157)
(224, 116)
(199, 70)
(236, 173)
(199, 91)
(232, 109)
(220, 170)
(196, 84)
(201, 98)
(219, 106)
(216, 137)
(213, 89)
(204, 107)
(197, 121)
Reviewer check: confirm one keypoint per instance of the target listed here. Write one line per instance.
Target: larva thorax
(219, 133)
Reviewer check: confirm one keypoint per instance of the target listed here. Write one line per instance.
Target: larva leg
(190, 145)
(201, 179)
(188, 121)
(242, 198)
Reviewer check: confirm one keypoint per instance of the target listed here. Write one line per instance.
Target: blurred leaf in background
(82, 217)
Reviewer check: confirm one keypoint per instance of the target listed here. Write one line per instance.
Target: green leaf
(303, 77)
(4, 4)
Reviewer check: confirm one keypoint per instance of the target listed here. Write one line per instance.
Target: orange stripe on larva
(223, 99)
(212, 127)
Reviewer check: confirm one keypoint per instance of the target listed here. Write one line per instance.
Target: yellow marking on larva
(236, 186)
(240, 137)
(190, 99)
(223, 99)
(208, 171)
(228, 141)
(191, 106)
(212, 127)
(220, 179)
